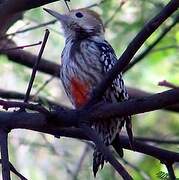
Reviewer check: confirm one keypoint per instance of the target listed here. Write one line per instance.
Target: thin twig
(30, 28)
(22, 47)
(167, 84)
(35, 67)
(28, 59)
(171, 172)
(45, 24)
(159, 141)
(96, 4)
(54, 151)
(13, 169)
(22, 105)
(67, 4)
(80, 162)
(151, 46)
(4, 155)
(43, 85)
(143, 174)
(114, 14)
(5, 94)
(165, 48)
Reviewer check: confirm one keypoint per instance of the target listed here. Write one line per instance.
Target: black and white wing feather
(109, 130)
(108, 59)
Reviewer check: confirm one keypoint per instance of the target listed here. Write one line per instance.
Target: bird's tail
(98, 159)
(117, 145)
(116, 142)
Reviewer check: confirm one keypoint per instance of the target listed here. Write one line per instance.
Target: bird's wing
(108, 59)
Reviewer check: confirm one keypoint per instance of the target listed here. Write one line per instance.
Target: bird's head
(80, 23)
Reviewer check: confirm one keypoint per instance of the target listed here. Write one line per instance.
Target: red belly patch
(79, 91)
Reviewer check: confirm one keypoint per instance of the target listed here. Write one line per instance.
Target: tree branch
(35, 67)
(38, 122)
(136, 93)
(25, 58)
(151, 46)
(9, 8)
(161, 154)
(132, 48)
(134, 106)
(80, 162)
(158, 141)
(170, 171)
(4, 155)
(141, 147)
(13, 169)
(30, 28)
(20, 96)
(69, 117)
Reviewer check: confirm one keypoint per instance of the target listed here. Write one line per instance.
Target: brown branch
(38, 122)
(28, 59)
(170, 171)
(30, 28)
(80, 162)
(136, 93)
(20, 96)
(14, 104)
(66, 3)
(135, 167)
(134, 106)
(69, 117)
(4, 155)
(10, 8)
(34, 70)
(141, 147)
(21, 47)
(132, 48)
(10, 21)
(13, 169)
(167, 84)
(158, 141)
(159, 153)
(152, 45)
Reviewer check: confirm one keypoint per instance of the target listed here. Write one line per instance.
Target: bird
(86, 59)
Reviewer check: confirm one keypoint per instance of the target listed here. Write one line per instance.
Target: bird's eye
(79, 15)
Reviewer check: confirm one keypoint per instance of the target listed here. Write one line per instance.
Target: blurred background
(38, 156)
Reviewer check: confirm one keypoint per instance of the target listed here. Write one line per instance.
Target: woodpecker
(86, 58)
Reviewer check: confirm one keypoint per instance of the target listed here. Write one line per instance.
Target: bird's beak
(61, 17)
